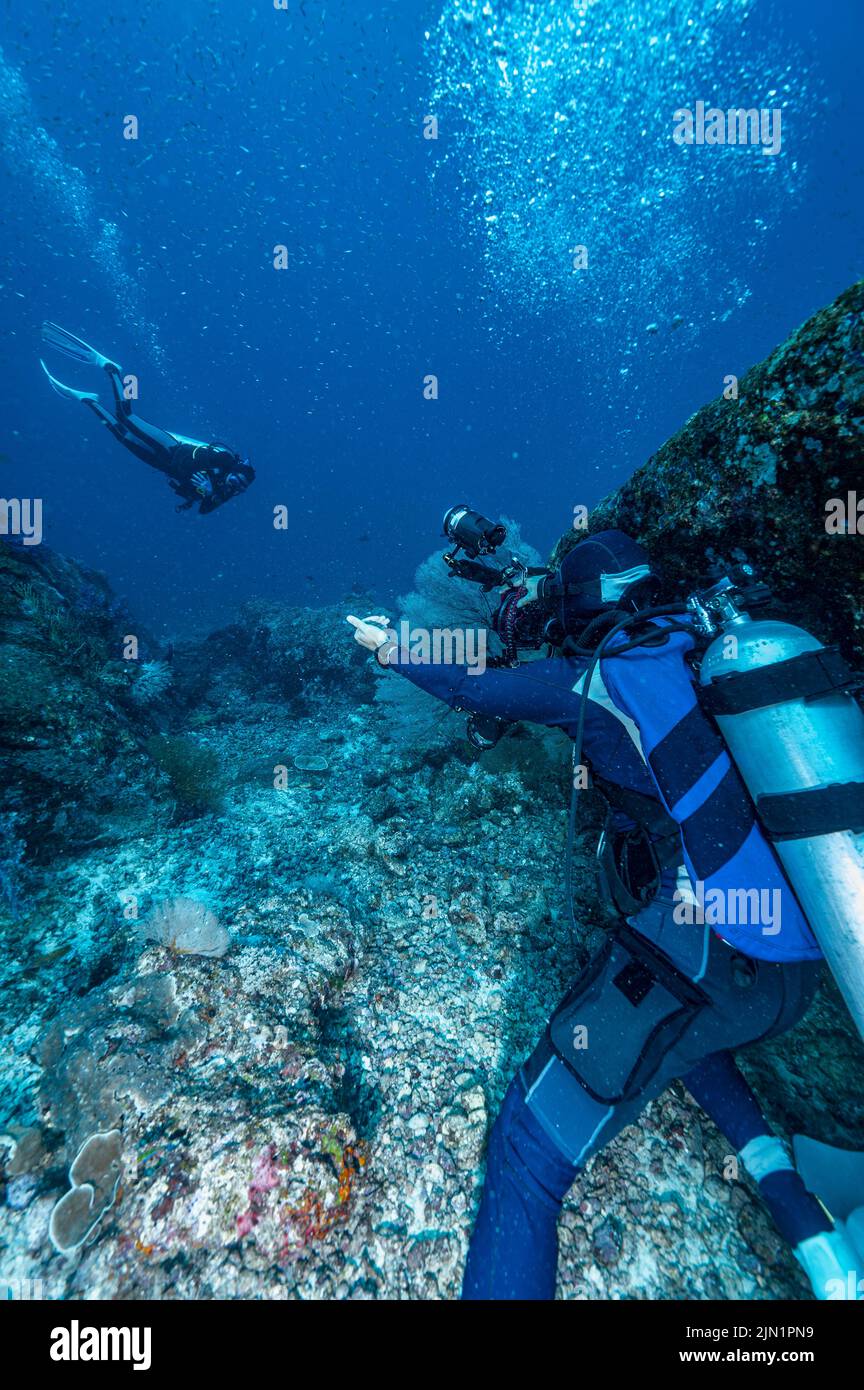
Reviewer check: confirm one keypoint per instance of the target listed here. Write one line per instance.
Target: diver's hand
(201, 483)
(532, 583)
(368, 631)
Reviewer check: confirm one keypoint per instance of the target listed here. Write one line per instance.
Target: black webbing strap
(555, 588)
(807, 676)
(813, 811)
(647, 811)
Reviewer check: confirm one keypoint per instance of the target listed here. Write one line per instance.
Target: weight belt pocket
(626, 1011)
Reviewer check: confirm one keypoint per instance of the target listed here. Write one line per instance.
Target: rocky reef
(774, 467)
(272, 940)
(71, 712)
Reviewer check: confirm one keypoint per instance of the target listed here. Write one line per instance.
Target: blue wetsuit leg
(718, 1086)
(514, 1248)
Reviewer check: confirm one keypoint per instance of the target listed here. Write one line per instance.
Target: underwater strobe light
(479, 538)
(473, 532)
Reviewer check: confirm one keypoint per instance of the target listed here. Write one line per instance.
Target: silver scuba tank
(785, 707)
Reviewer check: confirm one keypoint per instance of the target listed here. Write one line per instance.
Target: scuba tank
(786, 709)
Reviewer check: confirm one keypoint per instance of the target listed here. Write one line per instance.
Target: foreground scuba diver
(666, 997)
(209, 474)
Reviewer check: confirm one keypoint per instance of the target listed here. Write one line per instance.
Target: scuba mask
(241, 476)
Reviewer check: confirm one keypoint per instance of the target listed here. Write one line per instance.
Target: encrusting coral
(94, 1176)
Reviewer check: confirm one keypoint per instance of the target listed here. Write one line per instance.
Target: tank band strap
(804, 677)
(812, 811)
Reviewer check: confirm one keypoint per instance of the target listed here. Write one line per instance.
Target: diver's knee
(519, 1146)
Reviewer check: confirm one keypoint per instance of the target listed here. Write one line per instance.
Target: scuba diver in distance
(667, 997)
(207, 473)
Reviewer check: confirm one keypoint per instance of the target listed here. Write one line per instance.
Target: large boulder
(276, 649)
(71, 727)
(758, 472)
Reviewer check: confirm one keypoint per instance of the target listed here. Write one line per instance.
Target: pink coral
(265, 1176)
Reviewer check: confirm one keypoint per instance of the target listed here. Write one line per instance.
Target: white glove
(369, 632)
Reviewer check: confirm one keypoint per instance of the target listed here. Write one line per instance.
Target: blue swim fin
(58, 338)
(834, 1259)
(68, 391)
(835, 1176)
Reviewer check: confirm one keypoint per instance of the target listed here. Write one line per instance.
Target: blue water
(406, 257)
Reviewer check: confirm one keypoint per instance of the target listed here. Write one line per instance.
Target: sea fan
(440, 601)
(193, 770)
(188, 927)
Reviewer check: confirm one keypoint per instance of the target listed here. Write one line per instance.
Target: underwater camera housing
(479, 538)
(530, 626)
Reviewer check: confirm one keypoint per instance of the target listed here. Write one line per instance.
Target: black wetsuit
(177, 459)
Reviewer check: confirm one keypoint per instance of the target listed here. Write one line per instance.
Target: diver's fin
(68, 391)
(835, 1176)
(57, 337)
(833, 1265)
(834, 1261)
